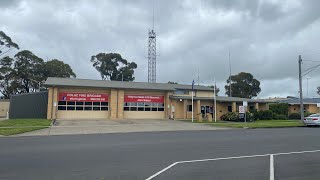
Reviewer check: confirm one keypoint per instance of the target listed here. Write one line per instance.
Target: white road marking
(226, 158)
(299, 152)
(163, 170)
(271, 167)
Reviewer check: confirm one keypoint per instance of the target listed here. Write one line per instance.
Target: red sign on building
(143, 98)
(70, 96)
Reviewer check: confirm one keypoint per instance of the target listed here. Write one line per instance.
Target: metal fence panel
(29, 105)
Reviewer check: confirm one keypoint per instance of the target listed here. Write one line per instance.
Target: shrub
(230, 116)
(263, 115)
(297, 115)
(279, 116)
(250, 116)
(282, 117)
(279, 108)
(294, 116)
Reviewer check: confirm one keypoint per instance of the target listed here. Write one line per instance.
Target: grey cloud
(264, 37)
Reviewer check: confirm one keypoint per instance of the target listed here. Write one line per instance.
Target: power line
(310, 70)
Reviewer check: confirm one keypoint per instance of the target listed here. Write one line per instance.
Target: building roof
(294, 100)
(223, 99)
(53, 81)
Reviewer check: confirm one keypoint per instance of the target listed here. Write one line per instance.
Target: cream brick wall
(204, 94)
(4, 108)
(312, 108)
(144, 115)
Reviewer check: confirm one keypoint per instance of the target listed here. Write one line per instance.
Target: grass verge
(17, 126)
(257, 124)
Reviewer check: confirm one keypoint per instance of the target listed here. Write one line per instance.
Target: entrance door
(204, 111)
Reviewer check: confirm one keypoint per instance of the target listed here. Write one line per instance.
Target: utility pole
(300, 90)
(215, 101)
(230, 76)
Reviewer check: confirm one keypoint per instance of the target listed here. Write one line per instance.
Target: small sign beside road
(241, 109)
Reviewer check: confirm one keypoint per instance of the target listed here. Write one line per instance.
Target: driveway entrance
(63, 127)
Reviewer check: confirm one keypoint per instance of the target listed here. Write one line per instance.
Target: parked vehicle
(313, 119)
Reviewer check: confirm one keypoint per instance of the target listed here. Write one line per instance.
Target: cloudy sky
(264, 37)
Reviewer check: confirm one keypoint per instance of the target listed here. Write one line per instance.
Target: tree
(26, 72)
(217, 89)
(6, 44)
(172, 82)
(318, 90)
(8, 84)
(112, 66)
(28, 69)
(243, 85)
(56, 68)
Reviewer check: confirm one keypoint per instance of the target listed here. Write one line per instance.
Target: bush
(279, 108)
(263, 115)
(294, 116)
(250, 117)
(297, 115)
(279, 116)
(230, 116)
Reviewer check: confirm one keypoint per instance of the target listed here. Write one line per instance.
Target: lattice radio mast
(152, 52)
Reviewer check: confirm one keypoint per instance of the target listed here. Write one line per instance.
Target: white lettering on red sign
(142, 98)
(68, 96)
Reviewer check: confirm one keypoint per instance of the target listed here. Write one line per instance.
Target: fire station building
(100, 99)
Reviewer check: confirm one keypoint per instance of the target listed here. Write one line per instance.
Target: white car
(313, 119)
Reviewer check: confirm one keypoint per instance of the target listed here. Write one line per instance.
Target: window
(181, 92)
(62, 108)
(229, 108)
(82, 106)
(96, 103)
(189, 108)
(143, 106)
(62, 103)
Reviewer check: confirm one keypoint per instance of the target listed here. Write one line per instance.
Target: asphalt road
(140, 155)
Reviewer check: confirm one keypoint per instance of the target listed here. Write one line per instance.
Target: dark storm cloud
(264, 37)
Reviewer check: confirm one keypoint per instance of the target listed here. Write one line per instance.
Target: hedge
(280, 108)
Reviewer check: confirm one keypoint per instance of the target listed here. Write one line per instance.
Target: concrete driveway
(63, 127)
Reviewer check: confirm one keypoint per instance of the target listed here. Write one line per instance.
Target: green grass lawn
(17, 126)
(257, 124)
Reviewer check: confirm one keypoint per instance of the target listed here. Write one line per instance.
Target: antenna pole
(152, 52)
(230, 76)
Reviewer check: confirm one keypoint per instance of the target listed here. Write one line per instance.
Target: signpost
(241, 112)
(245, 104)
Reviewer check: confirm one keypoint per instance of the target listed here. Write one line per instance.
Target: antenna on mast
(152, 52)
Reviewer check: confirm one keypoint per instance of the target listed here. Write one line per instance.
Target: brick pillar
(113, 105)
(185, 103)
(198, 111)
(167, 105)
(120, 104)
(52, 100)
(234, 107)
(50, 103)
(256, 106)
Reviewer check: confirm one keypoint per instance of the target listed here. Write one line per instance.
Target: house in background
(311, 105)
